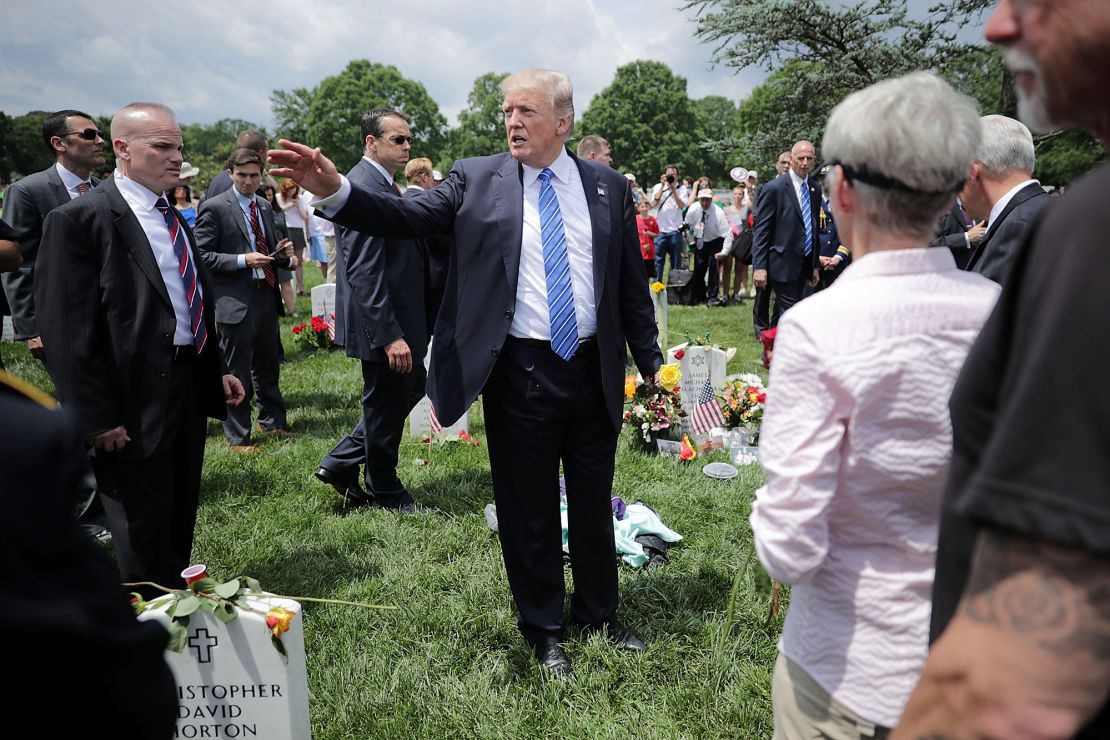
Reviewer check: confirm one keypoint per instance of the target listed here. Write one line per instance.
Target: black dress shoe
(555, 660)
(348, 488)
(617, 635)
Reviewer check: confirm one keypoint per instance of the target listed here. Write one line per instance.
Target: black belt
(546, 343)
(184, 353)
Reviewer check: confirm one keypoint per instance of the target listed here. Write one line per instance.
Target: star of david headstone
(698, 360)
(203, 643)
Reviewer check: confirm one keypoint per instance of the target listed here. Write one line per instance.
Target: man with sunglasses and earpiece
(380, 319)
(78, 148)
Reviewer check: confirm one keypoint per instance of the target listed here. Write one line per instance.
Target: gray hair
(914, 130)
(556, 85)
(1007, 147)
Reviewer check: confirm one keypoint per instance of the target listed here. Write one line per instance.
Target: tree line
(814, 54)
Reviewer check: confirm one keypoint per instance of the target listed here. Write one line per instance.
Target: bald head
(147, 142)
(802, 157)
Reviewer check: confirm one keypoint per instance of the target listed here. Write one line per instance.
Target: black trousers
(151, 504)
(250, 349)
(787, 294)
(540, 410)
(387, 400)
(705, 261)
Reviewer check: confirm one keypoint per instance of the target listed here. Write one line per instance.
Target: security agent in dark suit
(238, 244)
(785, 245)
(1001, 191)
(126, 312)
(64, 609)
(958, 232)
(550, 395)
(383, 324)
(78, 148)
(420, 177)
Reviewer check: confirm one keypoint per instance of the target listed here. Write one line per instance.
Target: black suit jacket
(438, 251)
(482, 204)
(994, 254)
(951, 233)
(778, 244)
(381, 284)
(106, 316)
(222, 235)
(26, 204)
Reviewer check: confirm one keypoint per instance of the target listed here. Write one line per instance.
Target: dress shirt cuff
(241, 262)
(334, 203)
(967, 241)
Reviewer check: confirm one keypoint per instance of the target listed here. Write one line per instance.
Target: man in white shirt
(1001, 189)
(712, 234)
(668, 197)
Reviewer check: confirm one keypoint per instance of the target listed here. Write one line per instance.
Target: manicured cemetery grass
(449, 661)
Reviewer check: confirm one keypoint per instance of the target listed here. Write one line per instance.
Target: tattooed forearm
(1058, 597)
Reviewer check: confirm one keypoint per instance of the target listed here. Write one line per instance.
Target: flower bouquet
(742, 402)
(655, 410)
(318, 332)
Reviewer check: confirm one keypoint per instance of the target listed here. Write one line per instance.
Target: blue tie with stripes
(807, 217)
(556, 267)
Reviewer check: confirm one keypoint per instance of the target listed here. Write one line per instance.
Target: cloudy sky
(210, 62)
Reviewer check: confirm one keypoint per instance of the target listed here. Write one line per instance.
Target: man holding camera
(668, 197)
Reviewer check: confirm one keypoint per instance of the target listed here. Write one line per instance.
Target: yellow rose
(669, 376)
(658, 287)
(630, 387)
(278, 619)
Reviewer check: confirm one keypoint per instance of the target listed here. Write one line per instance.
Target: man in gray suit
(237, 241)
(544, 291)
(78, 148)
(1002, 191)
(380, 316)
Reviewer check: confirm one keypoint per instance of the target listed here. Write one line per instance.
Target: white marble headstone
(420, 418)
(232, 683)
(697, 364)
(323, 300)
(9, 329)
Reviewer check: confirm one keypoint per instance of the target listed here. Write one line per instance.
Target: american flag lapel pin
(601, 192)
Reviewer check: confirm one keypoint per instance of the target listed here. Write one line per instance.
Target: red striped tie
(188, 273)
(260, 245)
(83, 187)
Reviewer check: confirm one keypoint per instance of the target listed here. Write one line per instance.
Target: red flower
(679, 354)
(426, 440)
(299, 328)
(762, 398)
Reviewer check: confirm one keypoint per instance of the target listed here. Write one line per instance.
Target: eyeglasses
(89, 134)
(399, 139)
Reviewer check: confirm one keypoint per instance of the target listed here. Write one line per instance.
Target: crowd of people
(934, 496)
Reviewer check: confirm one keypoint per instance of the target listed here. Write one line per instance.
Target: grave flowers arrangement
(742, 401)
(317, 332)
(654, 408)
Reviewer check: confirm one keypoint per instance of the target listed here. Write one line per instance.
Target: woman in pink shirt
(856, 436)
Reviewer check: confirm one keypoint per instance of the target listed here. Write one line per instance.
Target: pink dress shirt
(856, 441)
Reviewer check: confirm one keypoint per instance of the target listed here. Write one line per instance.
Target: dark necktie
(83, 188)
(260, 245)
(188, 273)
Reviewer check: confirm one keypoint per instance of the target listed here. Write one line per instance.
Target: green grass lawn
(449, 662)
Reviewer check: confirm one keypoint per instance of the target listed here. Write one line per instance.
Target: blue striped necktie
(807, 217)
(556, 266)
(188, 273)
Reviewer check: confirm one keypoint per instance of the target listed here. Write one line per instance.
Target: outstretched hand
(306, 166)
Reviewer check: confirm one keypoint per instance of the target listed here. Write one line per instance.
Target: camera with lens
(670, 178)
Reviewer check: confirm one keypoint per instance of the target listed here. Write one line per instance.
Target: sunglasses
(89, 134)
(399, 139)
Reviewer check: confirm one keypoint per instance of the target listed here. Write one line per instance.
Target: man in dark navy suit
(545, 288)
(785, 246)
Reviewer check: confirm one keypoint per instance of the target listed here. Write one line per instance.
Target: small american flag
(433, 421)
(707, 412)
(330, 321)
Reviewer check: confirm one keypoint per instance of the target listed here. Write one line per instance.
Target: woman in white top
(741, 251)
(296, 217)
(856, 436)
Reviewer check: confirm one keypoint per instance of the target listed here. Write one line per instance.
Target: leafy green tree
(28, 153)
(481, 128)
(716, 116)
(290, 109)
(648, 120)
(6, 152)
(1067, 155)
(340, 101)
(207, 146)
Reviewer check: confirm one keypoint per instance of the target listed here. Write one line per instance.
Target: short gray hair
(556, 85)
(917, 133)
(1007, 147)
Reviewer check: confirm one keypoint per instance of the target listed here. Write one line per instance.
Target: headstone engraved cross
(203, 643)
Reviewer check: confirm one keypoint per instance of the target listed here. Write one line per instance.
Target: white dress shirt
(153, 223)
(1000, 206)
(716, 224)
(856, 442)
(668, 213)
(531, 319)
(70, 180)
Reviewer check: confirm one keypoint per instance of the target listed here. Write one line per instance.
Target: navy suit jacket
(26, 205)
(778, 244)
(482, 205)
(994, 254)
(379, 292)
